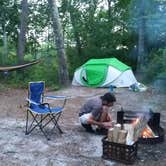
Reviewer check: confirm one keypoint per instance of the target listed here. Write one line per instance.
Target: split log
(110, 134)
(130, 133)
(117, 128)
(138, 127)
(122, 136)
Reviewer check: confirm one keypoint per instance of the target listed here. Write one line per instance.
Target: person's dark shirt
(93, 106)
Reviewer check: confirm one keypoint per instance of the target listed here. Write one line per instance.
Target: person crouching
(94, 115)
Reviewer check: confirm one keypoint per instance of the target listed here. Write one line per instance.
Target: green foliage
(11, 55)
(91, 30)
(74, 60)
(3, 87)
(157, 66)
(9, 18)
(44, 71)
(101, 34)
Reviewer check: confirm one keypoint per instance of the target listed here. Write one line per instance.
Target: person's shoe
(90, 131)
(101, 131)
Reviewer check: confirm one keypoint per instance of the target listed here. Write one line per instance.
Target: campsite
(75, 146)
(82, 82)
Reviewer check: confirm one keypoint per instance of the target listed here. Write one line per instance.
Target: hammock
(15, 67)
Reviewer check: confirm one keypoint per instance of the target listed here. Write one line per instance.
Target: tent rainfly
(103, 73)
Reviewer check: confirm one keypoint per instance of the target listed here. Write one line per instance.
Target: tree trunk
(109, 9)
(5, 48)
(62, 59)
(76, 33)
(22, 33)
(141, 38)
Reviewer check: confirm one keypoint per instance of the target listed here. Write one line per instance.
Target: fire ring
(126, 116)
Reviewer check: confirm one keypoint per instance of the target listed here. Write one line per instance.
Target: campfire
(132, 128)
(147, 132)
(146, 125)
(136, 126)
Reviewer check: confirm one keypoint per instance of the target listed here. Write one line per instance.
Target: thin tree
(75, 23)
(109, 2)
(5, 45)
(59, 41)
(22, 30)
(141, 37)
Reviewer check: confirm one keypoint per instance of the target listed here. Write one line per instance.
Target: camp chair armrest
(45, 104)
(55, 97)
(32, 102)
(63, 98)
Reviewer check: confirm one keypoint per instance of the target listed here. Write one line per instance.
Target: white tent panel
(126, 79)
(76, 79)
(112, 74)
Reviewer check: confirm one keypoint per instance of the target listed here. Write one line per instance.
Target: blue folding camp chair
(40, 114)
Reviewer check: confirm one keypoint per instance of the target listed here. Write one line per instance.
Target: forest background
(64, 34)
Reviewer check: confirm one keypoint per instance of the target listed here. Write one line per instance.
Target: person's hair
(108, 97)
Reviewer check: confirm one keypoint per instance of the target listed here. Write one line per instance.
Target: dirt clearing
(75, 147)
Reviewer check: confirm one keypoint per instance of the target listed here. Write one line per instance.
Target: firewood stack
(117, 135)
(128, 133)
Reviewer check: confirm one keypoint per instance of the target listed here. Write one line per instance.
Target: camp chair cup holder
(40, 114)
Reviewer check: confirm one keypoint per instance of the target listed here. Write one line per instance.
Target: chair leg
(41, 126)
(58, 127)
(26, 130)
(30, 127)
(48, 138)
(55, 119)
(38, 122)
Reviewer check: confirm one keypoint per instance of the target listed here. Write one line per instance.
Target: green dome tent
(103, 73)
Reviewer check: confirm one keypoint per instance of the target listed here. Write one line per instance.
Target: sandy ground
(75, 147)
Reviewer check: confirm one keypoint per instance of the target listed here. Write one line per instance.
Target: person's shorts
(84, 118)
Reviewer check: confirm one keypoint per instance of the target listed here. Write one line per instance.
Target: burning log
(139, 125)
(135, 129)
(148, 133)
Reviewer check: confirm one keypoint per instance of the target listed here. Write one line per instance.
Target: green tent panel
(103, 73)
(95, 74)
(109, 62)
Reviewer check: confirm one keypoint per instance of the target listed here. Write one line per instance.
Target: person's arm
(108, 120)
(91, 120)
(100, 124)
(109, 117)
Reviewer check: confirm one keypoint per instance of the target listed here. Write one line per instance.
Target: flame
(147, 133)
